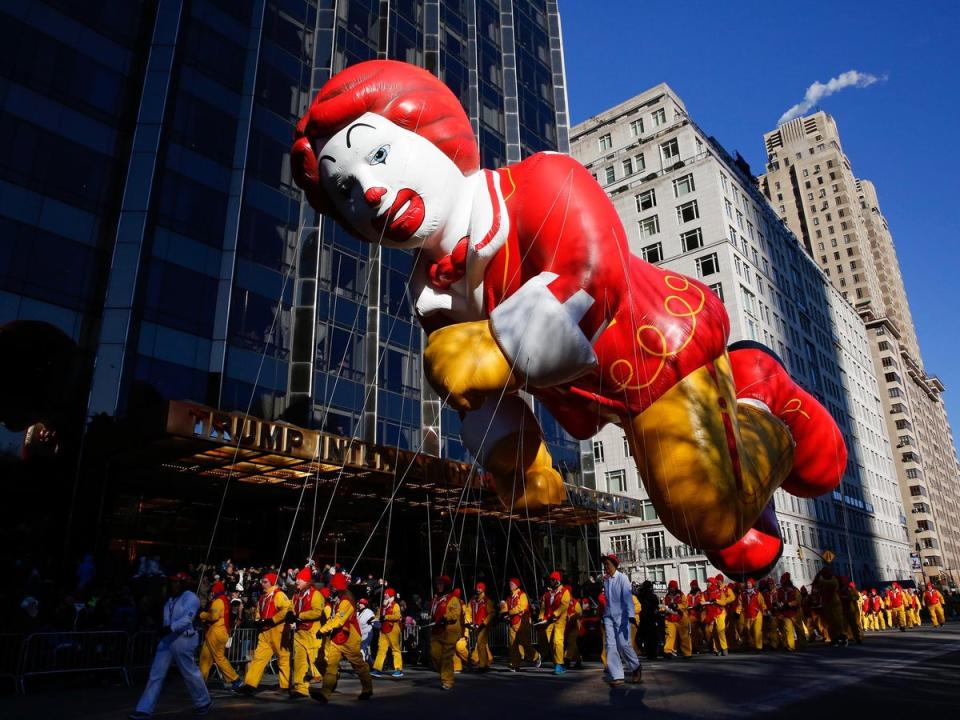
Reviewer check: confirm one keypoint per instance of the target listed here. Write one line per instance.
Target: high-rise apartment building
(687, 205)
(811, 184)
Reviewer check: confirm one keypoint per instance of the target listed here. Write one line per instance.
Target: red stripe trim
(728, 429)
(492, 190)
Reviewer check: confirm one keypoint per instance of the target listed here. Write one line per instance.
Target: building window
(683, 186)
(606, 142)
(717, 289)
(698, 571)
(649, 226)
(617, 481)
(654, 545)
(598, 450)
(749, 300)
(640, 162)
(688, 212)
(670, 152)
(646, 200)
(659, 117)
(656, 574)
(691, 239)
(648, 512)
(636, 127)
(708, 265)
(652, 253)
(627, 167)
(621, 546)
(611, 175)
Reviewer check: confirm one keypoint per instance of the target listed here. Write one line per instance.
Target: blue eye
(379, 156)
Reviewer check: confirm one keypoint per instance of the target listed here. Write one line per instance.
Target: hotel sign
(603, 502)
(200, 422)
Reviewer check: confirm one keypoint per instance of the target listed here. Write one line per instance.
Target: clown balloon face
(394, 187)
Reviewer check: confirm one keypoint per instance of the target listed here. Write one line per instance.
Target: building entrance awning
(204, 442)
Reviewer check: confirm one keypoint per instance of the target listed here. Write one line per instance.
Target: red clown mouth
(403, 218)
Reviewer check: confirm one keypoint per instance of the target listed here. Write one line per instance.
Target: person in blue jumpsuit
(617, 614)
(178, 645)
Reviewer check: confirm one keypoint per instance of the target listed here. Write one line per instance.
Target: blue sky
(738, 66)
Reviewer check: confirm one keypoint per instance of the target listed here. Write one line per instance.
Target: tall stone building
(687, 205)
(811, 183)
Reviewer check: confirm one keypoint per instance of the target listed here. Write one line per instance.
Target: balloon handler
(524, 281)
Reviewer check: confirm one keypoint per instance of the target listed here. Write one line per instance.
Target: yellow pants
(716, 631)
(696, 635)
(269, 643)
(571, 648)
(753, 632)
(888, 614)
(389, 641)
(350, 651)
(854, 625)
(936, 614)
(442, 653)
(520, 647)
(674, 629)
(771, 631)
(803, 633)
(788, 630)
(913, 617)
(899, 617)
(212, 652)
(734, 632)
(556, 632)
(305, 647)
(480, 657)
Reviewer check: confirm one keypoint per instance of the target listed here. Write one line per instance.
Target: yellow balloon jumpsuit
(308, 607)
(571, 646)
(344, 642)
(272, 608)
(217, 617)
(677, 624)
(553, 608)
(447, 614)
(477, 614)
(389, 636)
(518, 612)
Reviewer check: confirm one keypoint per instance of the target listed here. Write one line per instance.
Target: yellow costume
(518, 614)
(308, 608)
(553, 609)
(389, 634)
(217, 617)
(344, 642)
(272, 608)
(447, 613)
(677, 622)
(478, 614)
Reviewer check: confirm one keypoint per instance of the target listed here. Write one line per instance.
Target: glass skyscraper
(147, 207)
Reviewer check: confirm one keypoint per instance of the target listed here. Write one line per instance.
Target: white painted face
(393, 186)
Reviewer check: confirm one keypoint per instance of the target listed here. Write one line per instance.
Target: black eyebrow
(356, 125)
(328, 157)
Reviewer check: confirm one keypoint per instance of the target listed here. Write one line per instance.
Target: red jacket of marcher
(931, 597)
(876, 603)
(895, 598)
(302, 601)
(266, 605)
(712, 612)
(751, 604)
(785, 596)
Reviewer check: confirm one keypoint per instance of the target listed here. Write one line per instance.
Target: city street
(916, 671)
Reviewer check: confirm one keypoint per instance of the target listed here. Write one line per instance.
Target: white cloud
(816, 92)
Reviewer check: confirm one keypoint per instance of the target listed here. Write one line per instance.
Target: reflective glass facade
(147, 207)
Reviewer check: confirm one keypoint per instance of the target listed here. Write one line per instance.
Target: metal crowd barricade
(72, 652)
(11, 646)
(141, 648)
(242, 646)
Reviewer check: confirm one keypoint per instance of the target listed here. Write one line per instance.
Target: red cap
(929, 586)
(785, 578)
(445, 579)
(481, 587)
(363, 601)
(390, 592)
(456, 593)
(712, 582)
(325, 592)
(515, 581)
(218, 588)
(896, 585)
(751, 581)
(695, 583)
(674, 585)
(181, 576)
(612, 558)
(556, 576)
(339, 582)
(271, 578)
(853, 585)
(306, 575)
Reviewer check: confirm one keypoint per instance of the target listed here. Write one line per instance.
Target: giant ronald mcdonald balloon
(524, 281)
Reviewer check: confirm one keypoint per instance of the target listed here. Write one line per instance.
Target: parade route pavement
(915, 671)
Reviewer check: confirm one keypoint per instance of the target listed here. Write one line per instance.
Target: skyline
(737, 100)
